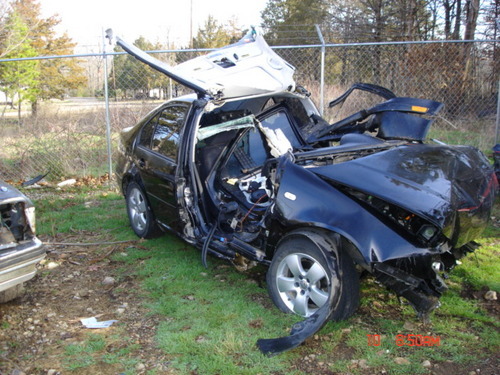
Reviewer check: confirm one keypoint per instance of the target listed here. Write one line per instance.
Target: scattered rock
(490, 295)
(363, 363)
(65, 335)
(83, 293)
(401, 361)
(52, 372)
(140, 367)
(409, 326)
(426, 364)
(52, 265)
(108, 280)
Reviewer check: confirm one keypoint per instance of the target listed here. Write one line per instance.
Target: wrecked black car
(247, 167)
(20, 249)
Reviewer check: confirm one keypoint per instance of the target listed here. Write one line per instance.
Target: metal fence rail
(76, 136)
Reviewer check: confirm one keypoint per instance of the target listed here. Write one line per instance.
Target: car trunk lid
(246, 68)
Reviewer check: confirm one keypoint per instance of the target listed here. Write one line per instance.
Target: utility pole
(191, 26)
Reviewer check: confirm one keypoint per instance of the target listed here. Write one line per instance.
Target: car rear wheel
(139, 213)
(299, 280)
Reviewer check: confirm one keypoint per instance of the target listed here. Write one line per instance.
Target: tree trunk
(34, 108)
(447, 18)
(19, 112)
(472, 12)
(458, 17)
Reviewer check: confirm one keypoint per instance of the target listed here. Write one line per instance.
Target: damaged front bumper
(418, 279)
(20, 249)
(18, 264)
(423, 297)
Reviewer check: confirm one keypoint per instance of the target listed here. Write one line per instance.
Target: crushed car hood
(432, 181)
(247, 68)
(9, 193)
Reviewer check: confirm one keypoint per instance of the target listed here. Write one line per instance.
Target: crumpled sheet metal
(299, 333)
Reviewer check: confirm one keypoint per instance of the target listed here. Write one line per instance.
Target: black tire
(298, 280)
(139, 212)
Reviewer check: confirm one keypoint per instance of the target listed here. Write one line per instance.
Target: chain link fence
(68, 137)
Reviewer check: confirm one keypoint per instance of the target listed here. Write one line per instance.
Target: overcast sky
(158, 20)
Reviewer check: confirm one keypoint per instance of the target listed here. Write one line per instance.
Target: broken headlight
(13, 219)
(30, 218)
(427, 232)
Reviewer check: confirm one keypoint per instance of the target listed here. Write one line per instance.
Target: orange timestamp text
(407, 340)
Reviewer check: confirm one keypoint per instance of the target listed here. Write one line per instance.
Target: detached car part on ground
(246, 167)
(20, 249)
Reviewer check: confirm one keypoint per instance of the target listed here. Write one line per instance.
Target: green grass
(97, 351)
(475, 133)
(210, 319)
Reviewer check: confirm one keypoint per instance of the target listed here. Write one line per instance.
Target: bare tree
(472, 12)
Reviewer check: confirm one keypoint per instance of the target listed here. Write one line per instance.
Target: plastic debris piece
(69, 182)
(92, 323)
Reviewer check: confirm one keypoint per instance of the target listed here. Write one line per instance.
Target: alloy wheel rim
(302, 283)
(138, 209)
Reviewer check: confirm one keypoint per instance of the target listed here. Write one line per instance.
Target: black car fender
(304, 199)
(131, 174)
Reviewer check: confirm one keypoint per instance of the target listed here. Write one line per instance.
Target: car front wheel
(139, 213)
(299, 280)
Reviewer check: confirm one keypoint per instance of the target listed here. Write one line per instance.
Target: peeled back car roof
(247, 68)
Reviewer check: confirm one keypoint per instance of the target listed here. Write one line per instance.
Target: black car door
(156, 158)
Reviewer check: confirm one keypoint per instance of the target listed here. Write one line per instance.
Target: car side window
(147, 133)
(280, 120)
(161, 134)
(251, 151)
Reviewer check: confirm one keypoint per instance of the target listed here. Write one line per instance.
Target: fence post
(322, 73)
(106, 98)
(497, 128)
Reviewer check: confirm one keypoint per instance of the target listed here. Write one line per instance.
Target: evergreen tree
(215, 35)
(293, 21)
(131, 78)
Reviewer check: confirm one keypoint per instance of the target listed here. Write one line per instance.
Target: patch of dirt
(37, 328)
(483, 297)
